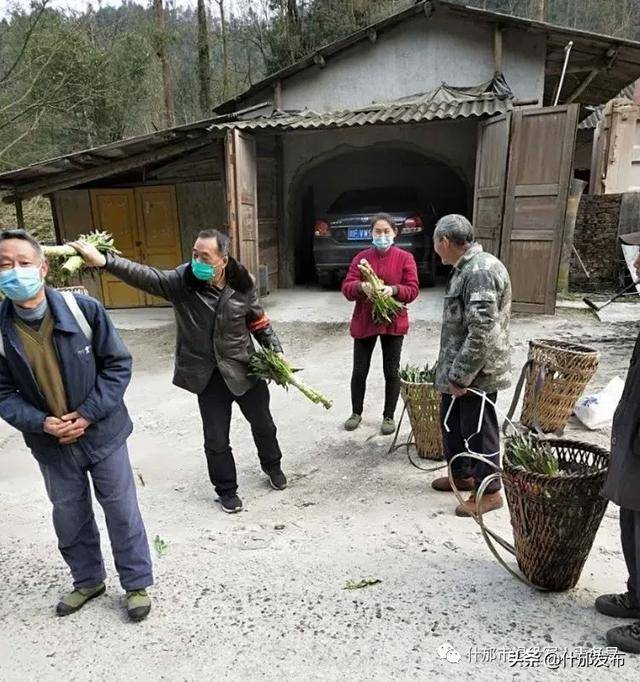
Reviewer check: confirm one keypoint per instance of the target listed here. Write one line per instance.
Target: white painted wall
(416, 57)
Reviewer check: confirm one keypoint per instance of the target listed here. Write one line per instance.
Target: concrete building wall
(416, 57)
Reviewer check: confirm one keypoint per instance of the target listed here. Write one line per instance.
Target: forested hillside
(75, 80)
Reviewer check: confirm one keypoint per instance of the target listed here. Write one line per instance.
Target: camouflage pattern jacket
(474, 345)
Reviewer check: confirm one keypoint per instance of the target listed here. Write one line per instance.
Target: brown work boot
(490, 502)
(443, 485)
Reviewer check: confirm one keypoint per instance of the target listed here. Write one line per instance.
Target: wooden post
(19, 213)
(497, 48)
(576, 188)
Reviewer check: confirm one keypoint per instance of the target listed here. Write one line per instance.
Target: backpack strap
(78, 315)
(74, 308)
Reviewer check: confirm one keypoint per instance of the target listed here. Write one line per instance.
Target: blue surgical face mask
(203, 271)
(383, 242)
(21, 284)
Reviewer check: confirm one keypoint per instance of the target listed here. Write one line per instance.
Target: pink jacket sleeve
(351, 283)
(409, 287)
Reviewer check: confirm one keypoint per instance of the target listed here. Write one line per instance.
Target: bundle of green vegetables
(268, 365)
(73, 261)
(413, 374)
(532, 454)
(385, 309)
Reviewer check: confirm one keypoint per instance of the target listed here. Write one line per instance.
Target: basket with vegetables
(423, 406)
(384, 309)
(268, 365)
(553, 492)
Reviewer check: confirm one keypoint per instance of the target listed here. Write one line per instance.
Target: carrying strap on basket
(489, 535)
(409, 442)
(524, 378)
(78, 315)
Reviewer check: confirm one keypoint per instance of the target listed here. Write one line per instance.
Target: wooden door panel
(114, 211)
(531, 256)
(241, 164)
(539, 172)
(491, 172)
(159, 230)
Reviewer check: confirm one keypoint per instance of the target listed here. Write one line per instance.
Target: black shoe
(231, 504)
(625, 638)
(617, 606)
(277, 479)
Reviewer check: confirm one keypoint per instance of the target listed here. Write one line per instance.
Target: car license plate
(355, 233)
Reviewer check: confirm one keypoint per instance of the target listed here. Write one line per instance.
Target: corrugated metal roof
(444, 102)
(597, 114)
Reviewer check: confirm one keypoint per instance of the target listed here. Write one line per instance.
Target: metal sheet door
(159, 230)
(242, 183)
(491, 178)
(114, 210)
(540, 166)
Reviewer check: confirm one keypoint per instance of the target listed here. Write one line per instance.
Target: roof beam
(556, 70)
(70, 179)
(612, 53)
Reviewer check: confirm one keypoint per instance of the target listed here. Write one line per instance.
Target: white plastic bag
(596, 410)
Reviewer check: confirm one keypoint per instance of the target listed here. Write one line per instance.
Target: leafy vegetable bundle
(532, 454)
(73, 261)
(384, 308)
(413, 374)
(268, 365)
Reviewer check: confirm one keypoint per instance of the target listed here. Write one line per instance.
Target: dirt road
(260, 595)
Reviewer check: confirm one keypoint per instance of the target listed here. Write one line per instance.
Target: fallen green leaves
(160, 546)
(359, 584)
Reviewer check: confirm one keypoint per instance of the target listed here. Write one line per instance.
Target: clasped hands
(385, 291)
(68, 428)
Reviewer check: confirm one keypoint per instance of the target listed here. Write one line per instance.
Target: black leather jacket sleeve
(259, 324)
(167, 284)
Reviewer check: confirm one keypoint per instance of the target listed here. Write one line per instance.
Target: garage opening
(336, 198)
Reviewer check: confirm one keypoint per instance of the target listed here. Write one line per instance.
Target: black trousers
(463, 423)
(630, 536)
(362, 352)
(215, 404)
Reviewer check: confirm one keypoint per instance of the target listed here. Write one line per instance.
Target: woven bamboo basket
(423, 406)
(555, 518)
(558, 374)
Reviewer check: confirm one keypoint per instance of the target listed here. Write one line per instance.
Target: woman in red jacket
(397, 269)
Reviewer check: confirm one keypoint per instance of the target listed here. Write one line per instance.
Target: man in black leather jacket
(217, 311)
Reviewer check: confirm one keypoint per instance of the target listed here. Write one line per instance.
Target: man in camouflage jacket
(474, 354)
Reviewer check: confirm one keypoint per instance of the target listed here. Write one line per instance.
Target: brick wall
(595, 238)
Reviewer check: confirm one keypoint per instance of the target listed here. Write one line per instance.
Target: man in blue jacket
(63, 374)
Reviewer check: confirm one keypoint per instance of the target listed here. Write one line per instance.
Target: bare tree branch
(26, 41)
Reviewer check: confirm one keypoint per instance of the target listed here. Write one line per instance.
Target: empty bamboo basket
(558, 373)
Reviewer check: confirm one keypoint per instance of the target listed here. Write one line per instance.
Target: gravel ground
(260, 595)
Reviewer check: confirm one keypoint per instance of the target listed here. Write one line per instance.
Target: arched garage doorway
(326, 185)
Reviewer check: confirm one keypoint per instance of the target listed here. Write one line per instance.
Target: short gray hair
(25, 237)
(456, 228)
